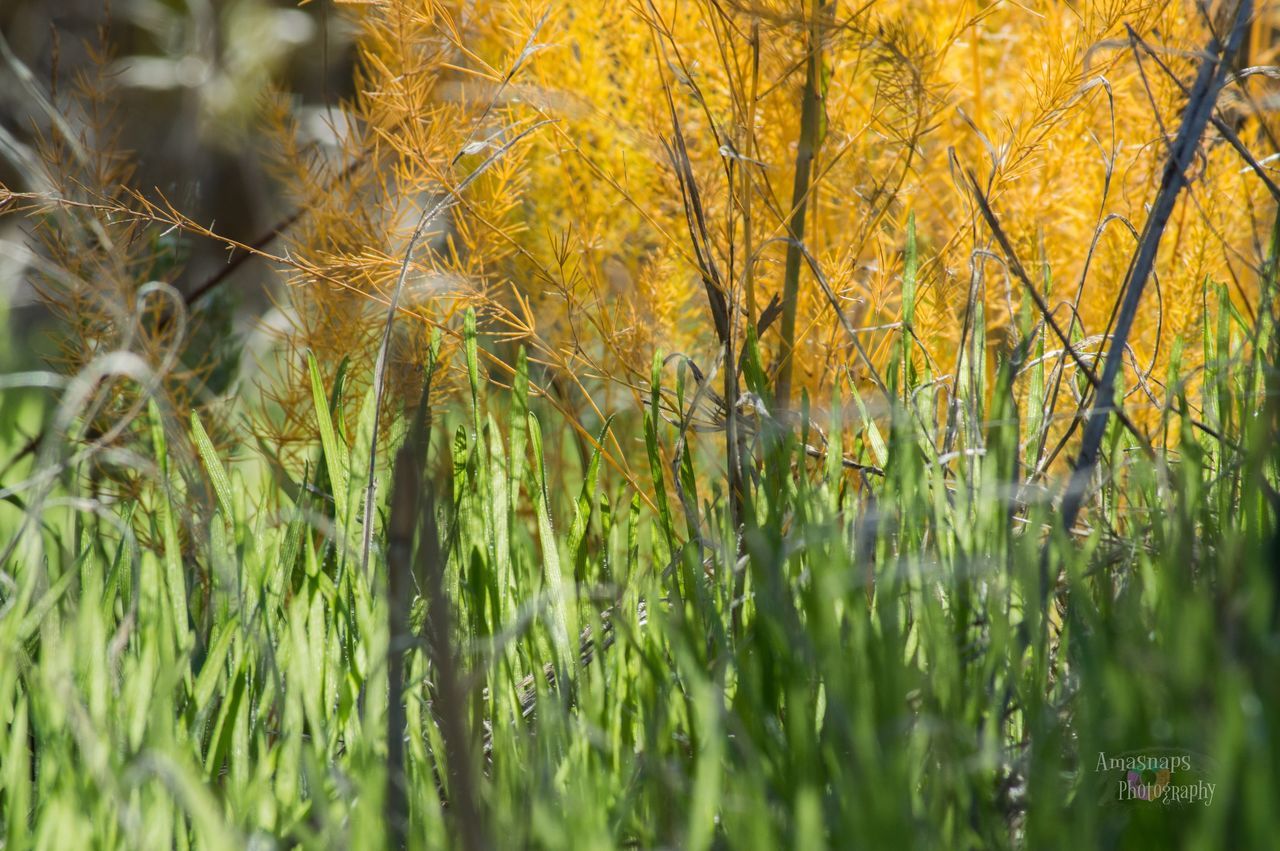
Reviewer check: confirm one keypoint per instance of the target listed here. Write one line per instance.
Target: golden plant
(603, 180)
(577, 240)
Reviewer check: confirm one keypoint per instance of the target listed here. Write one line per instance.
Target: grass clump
(921, 656)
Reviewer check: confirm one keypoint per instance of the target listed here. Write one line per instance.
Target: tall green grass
(899, 648)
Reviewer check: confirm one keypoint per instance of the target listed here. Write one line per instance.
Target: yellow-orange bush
(576, 243)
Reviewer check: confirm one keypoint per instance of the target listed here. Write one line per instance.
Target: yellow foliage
(576, 240)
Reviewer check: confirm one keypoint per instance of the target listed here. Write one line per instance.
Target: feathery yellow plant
(610, 179)
(576, 239)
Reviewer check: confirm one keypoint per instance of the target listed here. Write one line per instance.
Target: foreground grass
(915, 659)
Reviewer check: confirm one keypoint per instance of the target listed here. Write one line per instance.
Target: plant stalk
(810, 128)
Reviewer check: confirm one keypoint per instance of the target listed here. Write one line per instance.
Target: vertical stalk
(404, 509)
(1212, 76)
(749, 148)
(810, 125)
(739, 481)
(975, 60)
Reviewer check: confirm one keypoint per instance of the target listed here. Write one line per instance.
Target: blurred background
(191, 78)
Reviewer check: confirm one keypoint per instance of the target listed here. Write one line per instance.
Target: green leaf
(910, 266)
(563, 614)
(666, 544)
(335, 456)
(879, 449)
(175, 578)
(217, 475)
(214, 661)
(583, 507)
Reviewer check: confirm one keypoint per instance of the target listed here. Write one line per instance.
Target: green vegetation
(901, 649)
(588, 496)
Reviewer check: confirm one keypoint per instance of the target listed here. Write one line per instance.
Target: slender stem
(1200, 106)
(810, 124)
(748, 274)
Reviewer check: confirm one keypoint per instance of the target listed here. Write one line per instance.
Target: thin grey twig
(1200, 105)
